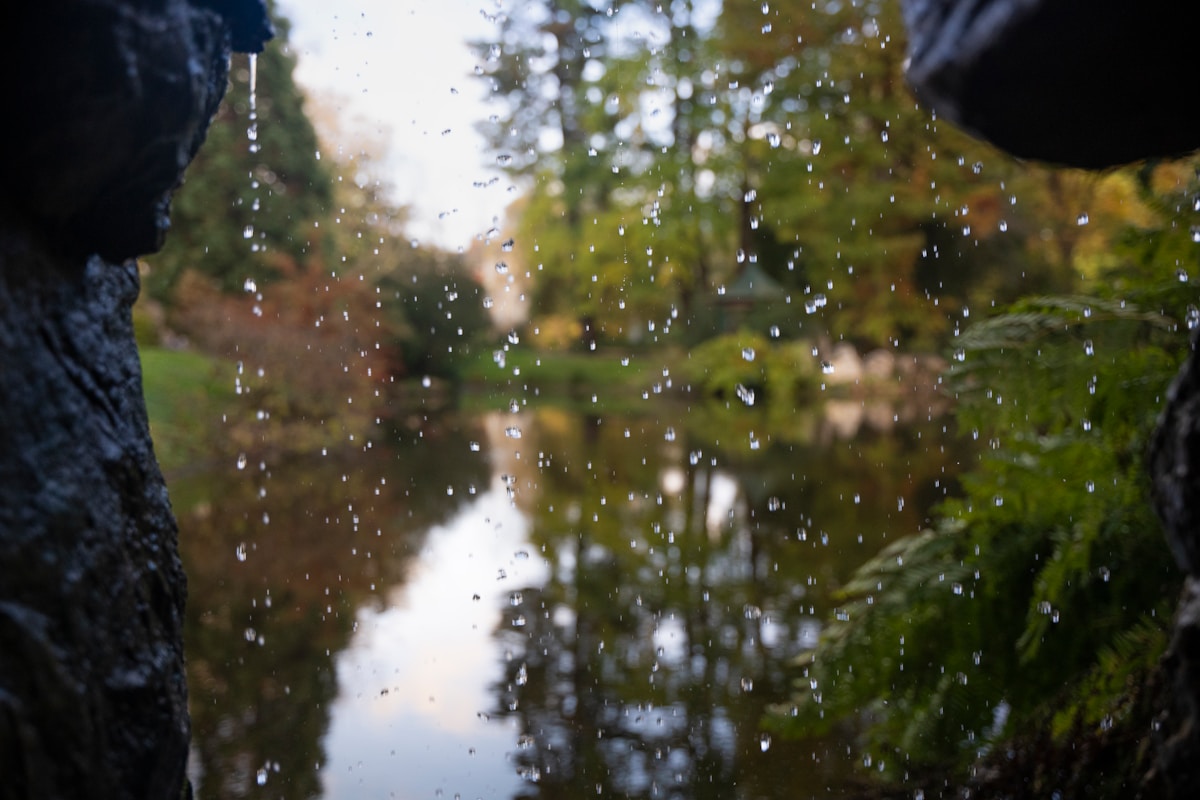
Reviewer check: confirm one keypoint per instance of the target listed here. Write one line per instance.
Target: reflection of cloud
(673, 481)
(722, 498)
(415, 677)
(671, 638)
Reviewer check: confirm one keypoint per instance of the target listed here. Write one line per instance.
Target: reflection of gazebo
(751, 289)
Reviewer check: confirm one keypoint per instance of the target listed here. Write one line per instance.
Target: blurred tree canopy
(1038, 601)
(667, 146)
(288, 258)
(257, 200)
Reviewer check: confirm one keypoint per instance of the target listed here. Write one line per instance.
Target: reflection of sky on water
(572, 608)
(414, 682)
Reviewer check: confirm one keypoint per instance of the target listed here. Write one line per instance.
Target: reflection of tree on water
(687, 573)
(278, 562)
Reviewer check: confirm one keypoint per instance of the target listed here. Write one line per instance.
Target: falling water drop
(252, 129)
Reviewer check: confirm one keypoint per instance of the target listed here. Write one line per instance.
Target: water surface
(546, 604)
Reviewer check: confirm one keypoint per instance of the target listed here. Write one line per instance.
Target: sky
(400, 72)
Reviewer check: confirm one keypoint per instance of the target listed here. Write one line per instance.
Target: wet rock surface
(1086, 83)
(109, 101)
(111, 104)
(1175, 470)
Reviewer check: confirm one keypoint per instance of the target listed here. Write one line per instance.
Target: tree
(256, 203)
(1048, 574)
(597, 115)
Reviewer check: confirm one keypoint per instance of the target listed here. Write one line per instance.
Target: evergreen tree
(256, 201)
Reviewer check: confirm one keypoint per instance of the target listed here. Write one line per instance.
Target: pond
(538, 604)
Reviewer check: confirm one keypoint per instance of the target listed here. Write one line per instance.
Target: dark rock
(1176, 770)
(107, 101)
(1086, 83)
(1175, 471)
(248, 21)
(112, 102)
(1175, 465)
(92, 695)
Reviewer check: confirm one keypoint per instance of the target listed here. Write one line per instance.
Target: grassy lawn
(613, 376)
(186, 394)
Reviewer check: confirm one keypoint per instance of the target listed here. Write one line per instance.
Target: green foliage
(661, 161)
(186, 395)
(741, 367)
(436, 306)
(257, 208)
(1050, 562)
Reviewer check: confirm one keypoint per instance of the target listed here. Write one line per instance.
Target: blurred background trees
(667, 150)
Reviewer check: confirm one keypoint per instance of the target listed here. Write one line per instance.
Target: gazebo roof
(751, 285)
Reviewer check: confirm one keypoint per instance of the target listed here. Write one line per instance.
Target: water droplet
(1088, 348)
(240, 552)
(748, 353)
(248, 232)
(512, 432)
(669, 435)
(241, 461)
(764, 742)
(1082, 219)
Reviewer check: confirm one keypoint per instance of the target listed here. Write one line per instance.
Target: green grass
(186, 394)
(611, 372)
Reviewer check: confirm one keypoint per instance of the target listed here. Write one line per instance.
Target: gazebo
(751, 289)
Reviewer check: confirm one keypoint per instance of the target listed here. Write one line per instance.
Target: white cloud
(404, 67)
